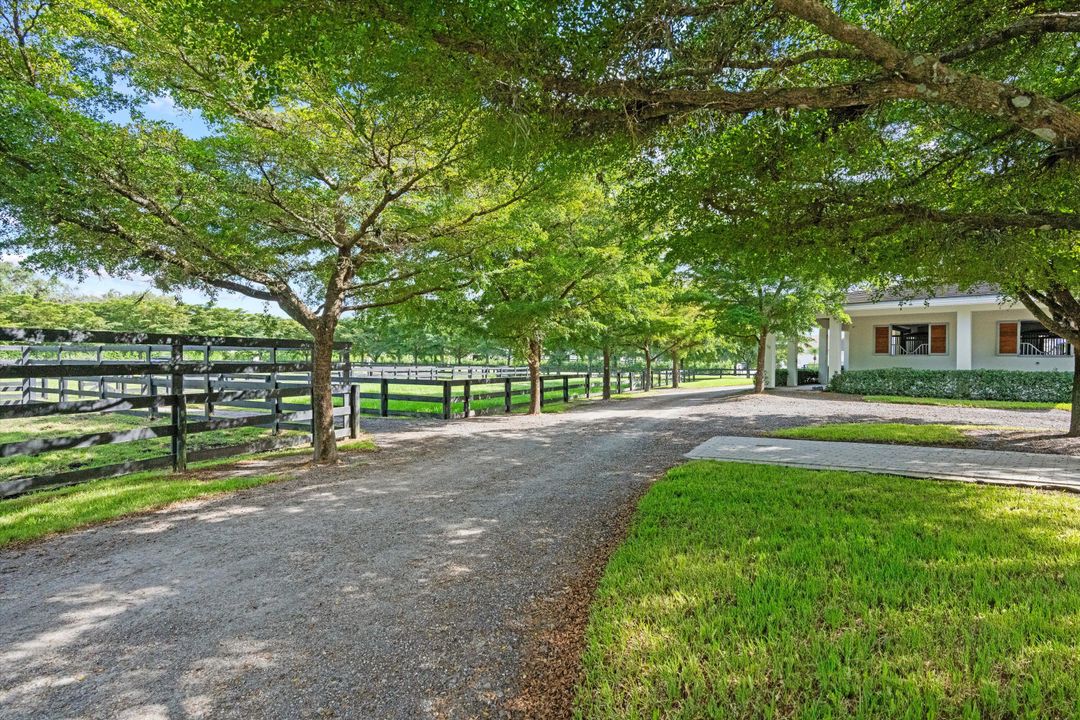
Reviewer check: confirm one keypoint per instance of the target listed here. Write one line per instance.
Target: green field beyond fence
(77, 406)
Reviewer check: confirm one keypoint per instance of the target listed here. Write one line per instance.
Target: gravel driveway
(406, 583)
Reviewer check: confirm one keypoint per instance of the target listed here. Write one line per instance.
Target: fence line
(187, 385)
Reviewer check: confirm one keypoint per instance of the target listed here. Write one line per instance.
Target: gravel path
(401, 584)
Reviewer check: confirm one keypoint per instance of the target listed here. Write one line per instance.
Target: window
(1030, 338)
(913, 339)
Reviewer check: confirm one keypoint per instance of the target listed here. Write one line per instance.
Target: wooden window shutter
(938, 342)
(1007, 338)
(881, 339)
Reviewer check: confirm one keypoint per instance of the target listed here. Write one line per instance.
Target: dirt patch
(1024, 440)
(555, 638)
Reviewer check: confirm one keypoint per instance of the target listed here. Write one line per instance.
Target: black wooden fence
(186, 385)
(203, 383)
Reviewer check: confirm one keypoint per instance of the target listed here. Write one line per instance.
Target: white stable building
(953, 330)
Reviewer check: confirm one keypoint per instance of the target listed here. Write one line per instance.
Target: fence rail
(182, 386)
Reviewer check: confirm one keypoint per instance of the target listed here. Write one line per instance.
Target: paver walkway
(990, 466)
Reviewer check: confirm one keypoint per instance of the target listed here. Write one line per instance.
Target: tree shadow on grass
(392, 585)
(781, 590)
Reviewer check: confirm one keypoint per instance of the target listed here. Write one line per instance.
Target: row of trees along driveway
(352, 156)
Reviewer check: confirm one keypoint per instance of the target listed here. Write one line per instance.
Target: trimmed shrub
(806, 377)
(1020, 385)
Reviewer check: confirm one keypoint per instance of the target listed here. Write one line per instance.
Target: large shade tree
(547, 268)
(331, 190)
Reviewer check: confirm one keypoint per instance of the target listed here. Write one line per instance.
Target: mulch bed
(556, 632)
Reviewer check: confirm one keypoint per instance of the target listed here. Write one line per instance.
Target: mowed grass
(37, 514)
(753, 591)
(86, 423)
(42, 513)
(707, 382)
(896, 433)
(954, 402)
(725, 381)
(553, 394)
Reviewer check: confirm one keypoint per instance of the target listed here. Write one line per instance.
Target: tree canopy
(608, 173)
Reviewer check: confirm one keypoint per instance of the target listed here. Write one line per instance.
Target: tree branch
(1064, 22)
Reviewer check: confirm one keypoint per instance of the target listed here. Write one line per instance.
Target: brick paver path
(990, 466)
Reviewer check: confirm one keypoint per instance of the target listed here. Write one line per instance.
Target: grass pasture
(86, 423)
(884, 432)
(37, 514)
(553, 394)
(954, 402)
(754, 591)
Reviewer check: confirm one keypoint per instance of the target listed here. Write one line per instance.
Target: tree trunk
(322, 398)
(674, 369)
(647, 385)
(607, 373)
(535, 349)
(1074, 418)
(759, 375)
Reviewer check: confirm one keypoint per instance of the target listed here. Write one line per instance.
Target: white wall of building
(984, 344)
(861, 343)
(984, 314)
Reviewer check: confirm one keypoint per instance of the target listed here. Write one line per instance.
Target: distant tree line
(420, 332)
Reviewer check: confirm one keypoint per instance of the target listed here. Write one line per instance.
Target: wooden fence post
(467, 408)
(150, 389)
(384, 398)
(508, 399)
(276, 403)
(25, 360)
(63, 381)
(179, 410)
(566, 389)
(541, 392)
(209, 386)
(618, 382)
(446, 407)
(588, 385)
(354, 410)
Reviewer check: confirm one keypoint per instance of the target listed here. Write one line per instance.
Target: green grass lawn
(754, 591)
(707, 382)
(953, 402)
(85, 423)
(726, 381)
(42, 513)
(552, 394)
(900, 433)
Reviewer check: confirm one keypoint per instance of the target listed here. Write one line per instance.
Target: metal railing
(910, 348)
(1046, 346)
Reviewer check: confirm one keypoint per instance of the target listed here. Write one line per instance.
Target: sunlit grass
(724, 381)
(752, 591)
(37, 514)
(41, 513)
(954, 402)
(899, 433)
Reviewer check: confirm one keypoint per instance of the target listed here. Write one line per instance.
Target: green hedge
(962, 384)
